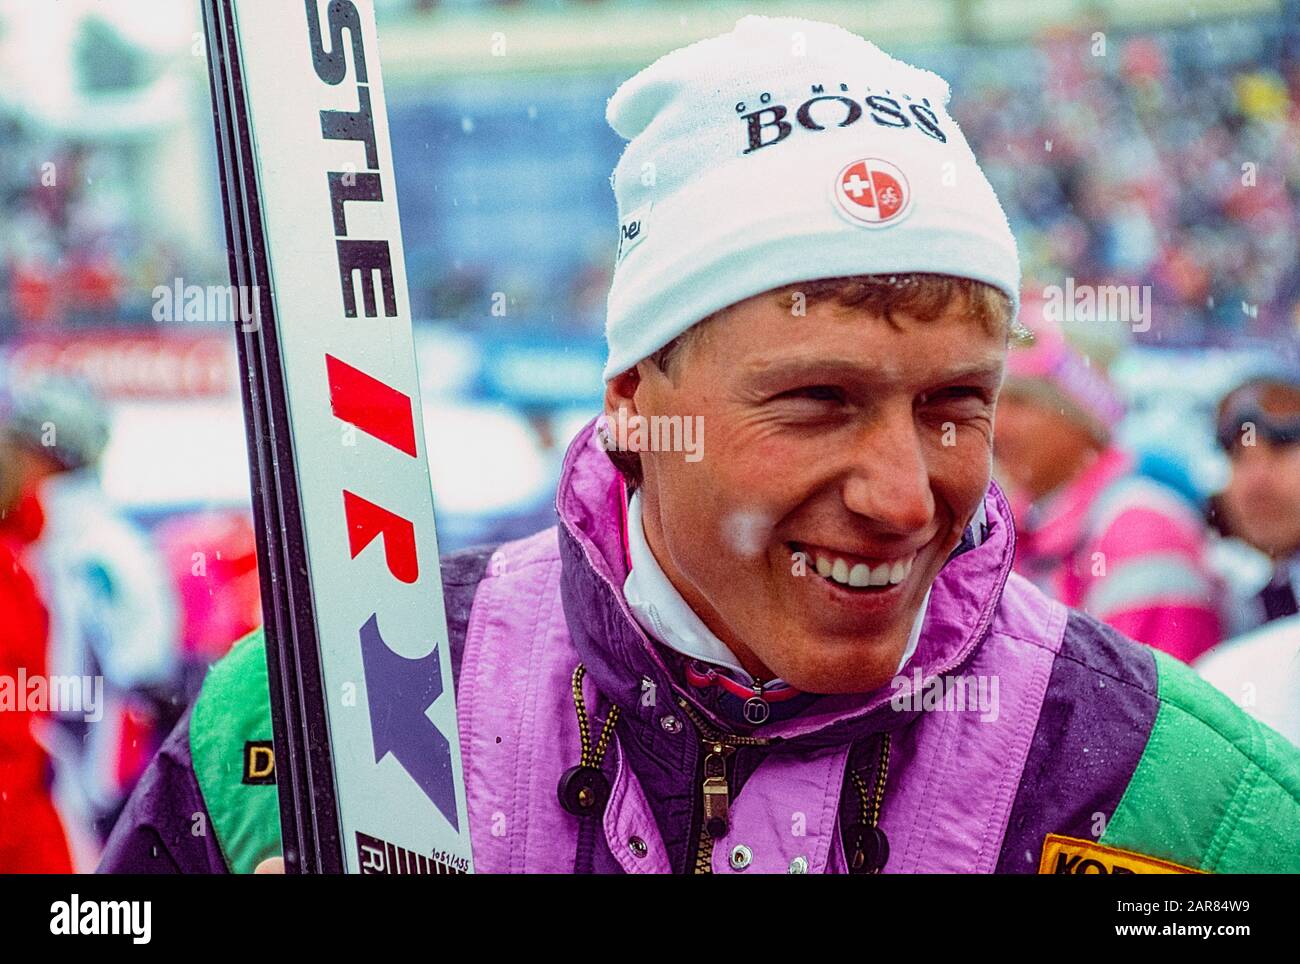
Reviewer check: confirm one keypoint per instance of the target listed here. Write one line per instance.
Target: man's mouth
(855, 571)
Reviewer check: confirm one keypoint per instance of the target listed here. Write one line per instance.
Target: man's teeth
(861, 574)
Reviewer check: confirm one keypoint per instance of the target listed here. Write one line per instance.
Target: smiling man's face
(863, 444)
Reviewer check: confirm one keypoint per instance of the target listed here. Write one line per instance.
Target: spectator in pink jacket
(1091, 531)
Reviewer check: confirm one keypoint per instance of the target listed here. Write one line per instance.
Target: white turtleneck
(665, 615)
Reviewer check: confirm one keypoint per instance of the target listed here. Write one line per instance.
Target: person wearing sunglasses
(1258, 426)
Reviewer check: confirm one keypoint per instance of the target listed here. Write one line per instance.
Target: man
(1095, 533)
(32, 837)
(706, 677)
(1259, 429)
(112, 611)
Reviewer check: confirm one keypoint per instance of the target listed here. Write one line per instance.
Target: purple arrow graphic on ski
(399, 690)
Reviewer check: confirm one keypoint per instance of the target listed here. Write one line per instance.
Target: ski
(366, 752)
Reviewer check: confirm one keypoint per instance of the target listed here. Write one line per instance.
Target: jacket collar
(630, 669)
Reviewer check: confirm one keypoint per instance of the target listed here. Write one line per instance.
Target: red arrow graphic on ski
(367, 521)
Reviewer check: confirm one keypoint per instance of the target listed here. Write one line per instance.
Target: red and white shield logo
(872, 192)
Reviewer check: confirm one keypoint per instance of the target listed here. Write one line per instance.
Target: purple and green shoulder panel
(1134, 751)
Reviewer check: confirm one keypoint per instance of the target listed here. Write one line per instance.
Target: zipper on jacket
(715, 784)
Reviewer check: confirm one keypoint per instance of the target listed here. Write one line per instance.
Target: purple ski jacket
(1038, 739)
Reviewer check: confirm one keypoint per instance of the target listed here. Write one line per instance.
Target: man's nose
(889, 477)
(1252, 466)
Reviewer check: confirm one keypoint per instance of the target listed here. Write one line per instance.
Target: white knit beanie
(784, 151)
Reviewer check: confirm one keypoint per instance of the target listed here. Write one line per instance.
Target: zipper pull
(756, 709)
(717, 795)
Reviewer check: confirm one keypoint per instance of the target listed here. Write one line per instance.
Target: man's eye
(958, 393)
(820, 393)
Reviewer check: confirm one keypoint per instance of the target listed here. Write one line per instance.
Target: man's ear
(620, 393)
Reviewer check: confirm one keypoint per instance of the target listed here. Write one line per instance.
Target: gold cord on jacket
(871, 802)
(590, 758)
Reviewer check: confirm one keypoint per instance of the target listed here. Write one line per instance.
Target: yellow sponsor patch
(1070, 855)
(259, 762)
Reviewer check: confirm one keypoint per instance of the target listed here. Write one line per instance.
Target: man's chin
(832, 658)
(857, 669)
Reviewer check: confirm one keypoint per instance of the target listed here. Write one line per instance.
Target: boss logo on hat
(872, 192)
(632, 230)
(770, 123)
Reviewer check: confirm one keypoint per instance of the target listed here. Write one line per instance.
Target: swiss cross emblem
(872, 192)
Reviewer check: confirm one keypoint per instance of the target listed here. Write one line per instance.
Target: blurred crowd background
(1133, 143)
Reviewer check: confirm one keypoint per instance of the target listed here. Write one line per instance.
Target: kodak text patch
(1069, 855)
